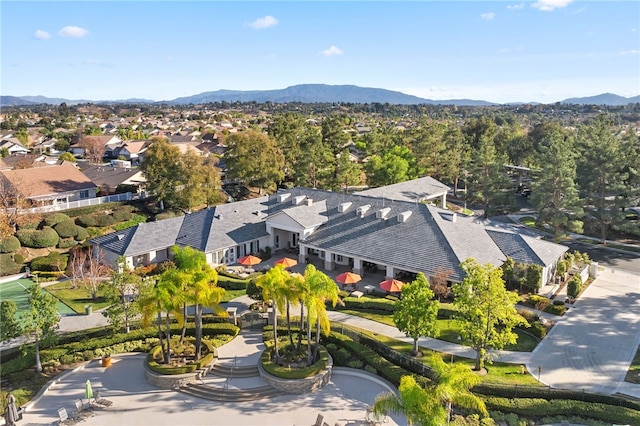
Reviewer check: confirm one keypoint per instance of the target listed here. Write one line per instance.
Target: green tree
(254, 158)
(11, 325)
(121, 291)
(287, 130)
(601, 174)
(42, 319)
(396, 165)
(67, 156)
(190, 181)
(488, 184)
(417, 311)
(161, 168)
(348, 173)
(486, 310)
(554, 191)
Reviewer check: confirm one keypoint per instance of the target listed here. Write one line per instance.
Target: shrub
(87, 220)
(294, 373)
(66, 243)
(556, 309)
(18, 258)
(574, 286)
(370, 369)
(29, 225)
(538, 330)
(55, 219)
(9, 245)
(66, 228)
(166, 215)
(122, 216)
(103, 220)
(8, 265)
(82, 234)
(54, 261)
(34, 238)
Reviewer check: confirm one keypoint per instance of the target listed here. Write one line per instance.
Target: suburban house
(107, 177)
(109, 143)
(50, 185)
(362, 231)
(131, 150)
(13, 145)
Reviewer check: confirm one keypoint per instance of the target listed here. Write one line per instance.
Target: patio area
(369, 282)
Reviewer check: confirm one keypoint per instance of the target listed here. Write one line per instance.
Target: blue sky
(500, 51)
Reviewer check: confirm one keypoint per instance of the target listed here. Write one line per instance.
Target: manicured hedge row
(229, 283)
(536, 406)
(368, 303)
(552, 394)
(384, 368)
(9, 244)
(47, 237)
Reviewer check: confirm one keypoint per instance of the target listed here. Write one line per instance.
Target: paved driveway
(591, 348)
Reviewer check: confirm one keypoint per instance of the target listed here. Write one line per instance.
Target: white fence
(80, 203)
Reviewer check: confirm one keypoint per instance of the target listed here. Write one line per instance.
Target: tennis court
(17, 291)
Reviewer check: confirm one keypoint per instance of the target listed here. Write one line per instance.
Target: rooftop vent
(283, 197)
(454, 217)
(299, 199)
(344, 207)
(309, 201)
(404, 216)
(360, 211)
(383, 213)
(120, 237)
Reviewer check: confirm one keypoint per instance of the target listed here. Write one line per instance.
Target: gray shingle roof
(308, 216)
(514, 246)
(412, 190)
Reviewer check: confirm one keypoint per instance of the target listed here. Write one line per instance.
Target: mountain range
(310, 93)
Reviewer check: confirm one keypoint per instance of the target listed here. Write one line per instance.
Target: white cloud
(515, 6)
(41, 35)
(332, 51)
(550, 5)
(72, 31)
(488, 16)
(265, 22)
(629, 52)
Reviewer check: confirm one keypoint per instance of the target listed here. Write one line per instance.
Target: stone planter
(299, 386)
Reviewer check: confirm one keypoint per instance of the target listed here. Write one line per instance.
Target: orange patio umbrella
(392, 285)
(287, 262)
(348, 278)
(249, 260)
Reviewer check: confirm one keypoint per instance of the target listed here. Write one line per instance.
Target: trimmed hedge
(47, 237)
(368, 303)
(294, 373)
(66, 228)
(209, 353)
(86, 221)
(535, 406)
(66, 243)
(54, 261)
(82, 234)
(55, 219)
(8, 265)
(9, 245)
(232, 283)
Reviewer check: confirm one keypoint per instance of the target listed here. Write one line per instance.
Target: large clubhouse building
(394, 229)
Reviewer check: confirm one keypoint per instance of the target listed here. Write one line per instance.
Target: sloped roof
(49, 180)
(412, 190)
(308, 216)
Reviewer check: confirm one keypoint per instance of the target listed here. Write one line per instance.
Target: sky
(498, 51)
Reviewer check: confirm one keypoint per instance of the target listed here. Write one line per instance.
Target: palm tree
(415, 402)
(319, 288)
(454, 382)
(272, 283)
(433, 405)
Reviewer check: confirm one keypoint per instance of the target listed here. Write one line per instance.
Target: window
(84, 194)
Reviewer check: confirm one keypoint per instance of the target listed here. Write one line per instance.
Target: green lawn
(76, 298)
(496, 373)
(450, 330)
(528, 221)
(232, 294)
(633, 374)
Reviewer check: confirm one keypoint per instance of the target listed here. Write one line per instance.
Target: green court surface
(17, 291)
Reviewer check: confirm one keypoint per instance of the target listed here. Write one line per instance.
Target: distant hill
(603, 99)
(14, 101)
(311, 93)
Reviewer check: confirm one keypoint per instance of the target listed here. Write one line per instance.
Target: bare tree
(439, 283)
(12, 205)
(89, 269)
(94, 148)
